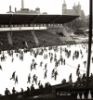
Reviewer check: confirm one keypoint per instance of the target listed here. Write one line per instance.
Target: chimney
(22, 4)
(15, 10)
(10, 8)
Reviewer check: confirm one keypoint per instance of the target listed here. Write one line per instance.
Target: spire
(74, 4)
(64, 2)
(22, 4)
(78, 3)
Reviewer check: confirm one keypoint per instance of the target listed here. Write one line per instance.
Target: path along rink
(22, 68)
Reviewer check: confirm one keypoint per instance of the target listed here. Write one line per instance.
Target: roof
(15, 19)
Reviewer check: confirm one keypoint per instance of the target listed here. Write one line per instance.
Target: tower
(22, 4)
(74, 7)
(64, 7)
(79, 9)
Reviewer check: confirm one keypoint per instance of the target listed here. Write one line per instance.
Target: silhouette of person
(35, 65)
(51, 58)
(16, 80)
(45, 66)
(22, 90)
(55, 75)
(28, 91)
(64, 61)
(32, 87)
(13, 90)
(84, 63)
(12, 59)
(78, 70)
(7, 92)
(91, 75)
(41, 86)
(41, 64)
(56, 63)
(52, 75)
(31, 67)
(61, 59)
(45, 74)
(34, 78)
(39, 83)
(29, 78)
(63, 81)
(84, 76)
(0, 67)
(13, 75)
(70, 78)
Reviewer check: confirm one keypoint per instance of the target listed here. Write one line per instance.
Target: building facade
(76, 10)
(26, 10)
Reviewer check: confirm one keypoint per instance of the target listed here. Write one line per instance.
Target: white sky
(49, 6)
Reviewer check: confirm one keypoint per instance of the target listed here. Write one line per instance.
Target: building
(26, 10)
(76, 10)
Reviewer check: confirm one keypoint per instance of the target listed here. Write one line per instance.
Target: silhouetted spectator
(41, 86)
(84, 77)
(7, 92)
(91, 76)
(14, 91)
(28, 91)
(79, 79)
(63, 81)
(32, 87)
(22, 90)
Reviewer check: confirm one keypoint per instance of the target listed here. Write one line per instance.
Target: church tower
(74, 7)
(79, 9)
(64, 8)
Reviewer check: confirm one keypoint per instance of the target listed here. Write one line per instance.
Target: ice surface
(22, 69)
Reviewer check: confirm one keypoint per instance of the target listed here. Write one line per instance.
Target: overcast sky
(49, 6)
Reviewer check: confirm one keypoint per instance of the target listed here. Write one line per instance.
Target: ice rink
(22, 68)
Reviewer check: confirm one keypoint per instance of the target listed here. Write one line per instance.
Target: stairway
(35, 38)
(9, 38)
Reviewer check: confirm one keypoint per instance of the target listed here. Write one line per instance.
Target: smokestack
(10, 8)
(22, 4)
(15, 10)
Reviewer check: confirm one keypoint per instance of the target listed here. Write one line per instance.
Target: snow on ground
(22, 69)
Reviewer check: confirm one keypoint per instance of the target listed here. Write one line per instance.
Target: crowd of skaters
(52, 57)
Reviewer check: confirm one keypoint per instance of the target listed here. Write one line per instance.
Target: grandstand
(18, 37)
